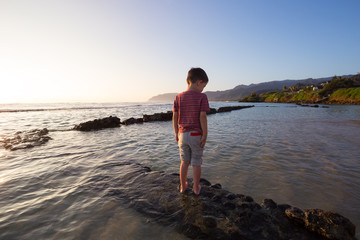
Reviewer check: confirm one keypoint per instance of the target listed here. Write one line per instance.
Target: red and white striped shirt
(189, 104)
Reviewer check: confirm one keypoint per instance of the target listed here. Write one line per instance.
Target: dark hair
(196, 74)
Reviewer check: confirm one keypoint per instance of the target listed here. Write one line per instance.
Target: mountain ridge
(240, 91)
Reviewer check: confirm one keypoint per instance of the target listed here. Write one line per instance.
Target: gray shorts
(189, 147)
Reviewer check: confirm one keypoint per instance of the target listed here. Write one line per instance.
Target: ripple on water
(308, 159)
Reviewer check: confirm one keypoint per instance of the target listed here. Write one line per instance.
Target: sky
(126, 51)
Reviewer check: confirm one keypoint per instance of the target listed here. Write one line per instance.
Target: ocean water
(305, 157)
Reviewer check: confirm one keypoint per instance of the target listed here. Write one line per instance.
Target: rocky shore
(220, 214)
(97, 124)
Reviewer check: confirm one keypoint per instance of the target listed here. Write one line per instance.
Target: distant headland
(241, 91)
(339, 90)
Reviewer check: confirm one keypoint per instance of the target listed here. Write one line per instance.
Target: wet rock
(231, 108)
(212, 111)
(313, 106)
(245, 198)
(25, 139)
(220, 214)
(158, 117)
(326, 223)
(205, 182)
(97, 124)
(283, 207)
(217, 186)
(295, 214)
(268, 204)
(132, 121)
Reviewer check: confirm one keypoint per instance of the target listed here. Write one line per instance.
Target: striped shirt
(189, 104)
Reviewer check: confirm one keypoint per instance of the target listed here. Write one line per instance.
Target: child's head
(196, 74)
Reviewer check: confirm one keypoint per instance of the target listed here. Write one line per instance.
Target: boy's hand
(203, 141)
(177, 137)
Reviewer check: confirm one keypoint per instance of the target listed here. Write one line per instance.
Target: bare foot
(197, 192)
(182, 190)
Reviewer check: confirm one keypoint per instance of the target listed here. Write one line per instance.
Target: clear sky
(113, 51)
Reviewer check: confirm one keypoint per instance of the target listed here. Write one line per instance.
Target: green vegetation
(337, 83)
(349, 95)
(252, 98)
(338, 91)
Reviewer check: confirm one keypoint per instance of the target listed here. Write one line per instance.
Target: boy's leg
(197, 175)
(183, 175)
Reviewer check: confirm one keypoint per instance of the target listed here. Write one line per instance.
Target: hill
(241, 91)
(166, 97)
(340, 90)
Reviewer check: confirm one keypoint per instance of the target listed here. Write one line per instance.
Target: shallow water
(305, 157)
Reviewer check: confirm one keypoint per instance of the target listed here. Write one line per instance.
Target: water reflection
(2, 179)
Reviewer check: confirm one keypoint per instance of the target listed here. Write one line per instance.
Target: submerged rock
(97, 124)
(231, 108)
(313, 106)
(26, 139)
(219, 214)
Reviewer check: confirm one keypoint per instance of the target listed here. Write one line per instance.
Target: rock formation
(132, 121)
(313, 106)
(97, 124)
(220, 214)
(231, 108)
(158, 117)
(25, 139)
(168, 115)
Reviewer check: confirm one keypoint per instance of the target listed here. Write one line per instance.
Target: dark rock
(231, 196)
(97, 124)
(217, 213)
(268, 204)
(112, 122)
(307, 105)
(212, 111)
(210, 221)
(295, 214)
(132, 121)
(229, 205)
(229, 109)
(216, 186)
(245, 198)
(205, 182)
(283, 207)
(326, 223)
(248, 199)
(158, 117)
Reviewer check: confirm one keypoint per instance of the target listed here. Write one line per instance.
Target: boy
(190, 126)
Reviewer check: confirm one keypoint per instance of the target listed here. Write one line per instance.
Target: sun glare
(2, 179)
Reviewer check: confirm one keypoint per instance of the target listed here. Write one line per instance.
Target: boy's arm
(176, 125)
(203, 123)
